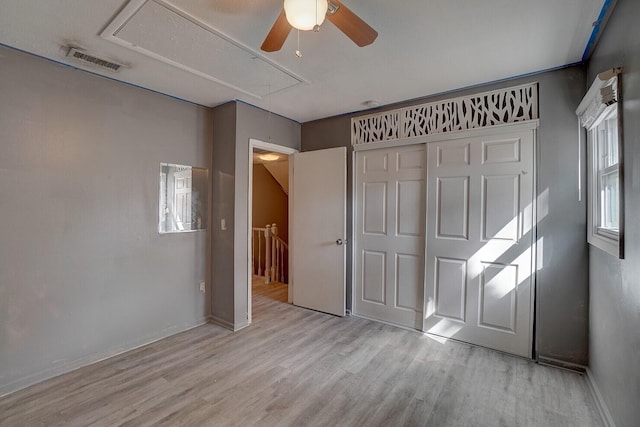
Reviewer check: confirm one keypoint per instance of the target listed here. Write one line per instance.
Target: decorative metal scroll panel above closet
(498, 107)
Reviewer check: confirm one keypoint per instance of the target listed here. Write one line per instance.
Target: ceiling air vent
(79, 55)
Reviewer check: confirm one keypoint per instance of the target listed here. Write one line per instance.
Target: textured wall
(562, 277)
(614, 344)
(84, 273)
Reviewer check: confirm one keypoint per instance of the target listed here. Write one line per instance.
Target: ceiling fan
(310, 14)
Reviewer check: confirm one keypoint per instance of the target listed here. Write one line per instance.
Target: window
(605, 140)
(600, 115)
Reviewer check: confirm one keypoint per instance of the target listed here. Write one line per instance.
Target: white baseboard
(67, 367)
(600, 404)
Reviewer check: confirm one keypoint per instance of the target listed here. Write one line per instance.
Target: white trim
(256, 143)
(610, 241)
(592, 105)
(603, 409)
(534, 248)
(580, 133)
(352, 240)
(389, 144)
(291, 232)
(494, 130)
(602, 98)
(611, 246)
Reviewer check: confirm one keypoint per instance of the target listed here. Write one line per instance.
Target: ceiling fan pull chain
(298, 53)
(316, 27)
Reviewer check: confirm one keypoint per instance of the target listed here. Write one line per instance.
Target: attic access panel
(162, 30)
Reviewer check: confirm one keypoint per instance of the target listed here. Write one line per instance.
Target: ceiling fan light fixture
(305, 14)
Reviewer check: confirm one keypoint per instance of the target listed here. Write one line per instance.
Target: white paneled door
(390, 222)
(318, 230)
(480, 241)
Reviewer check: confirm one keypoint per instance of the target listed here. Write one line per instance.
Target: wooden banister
(268, 246)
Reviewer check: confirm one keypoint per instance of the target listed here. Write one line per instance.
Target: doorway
(317, 253)
(268, 218)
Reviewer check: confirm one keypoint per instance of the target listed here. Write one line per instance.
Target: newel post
(275, 243)
(267, 256)
(273, 275)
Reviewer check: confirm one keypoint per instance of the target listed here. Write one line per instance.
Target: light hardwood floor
(298, 367)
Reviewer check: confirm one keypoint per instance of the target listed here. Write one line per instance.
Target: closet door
(480, 241)
(389, 235)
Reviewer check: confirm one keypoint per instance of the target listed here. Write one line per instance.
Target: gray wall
(562, 279)
(235, 124)
(223, 181)
(614, 344)
(84, 273)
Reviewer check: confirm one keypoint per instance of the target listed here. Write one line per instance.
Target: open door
(318, 230)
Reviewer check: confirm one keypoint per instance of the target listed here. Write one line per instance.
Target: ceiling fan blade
(352, 26)
(278, 34)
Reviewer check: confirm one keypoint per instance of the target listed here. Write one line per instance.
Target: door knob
(341, 242)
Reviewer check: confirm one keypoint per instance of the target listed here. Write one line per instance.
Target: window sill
(608, 244)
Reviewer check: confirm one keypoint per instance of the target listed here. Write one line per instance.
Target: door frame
(256, 143)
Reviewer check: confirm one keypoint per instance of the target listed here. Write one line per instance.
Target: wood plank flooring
(296, 367)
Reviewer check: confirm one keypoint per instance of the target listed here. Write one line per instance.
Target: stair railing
(269, 254)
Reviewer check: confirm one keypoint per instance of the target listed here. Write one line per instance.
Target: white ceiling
(208, 51)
